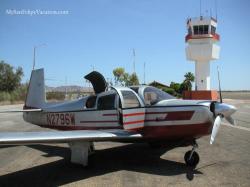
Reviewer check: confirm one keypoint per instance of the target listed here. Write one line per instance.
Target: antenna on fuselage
(219, 83)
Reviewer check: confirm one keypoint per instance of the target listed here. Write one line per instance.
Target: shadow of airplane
(130, 157)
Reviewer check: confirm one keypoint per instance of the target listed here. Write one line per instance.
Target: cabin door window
(133, 114)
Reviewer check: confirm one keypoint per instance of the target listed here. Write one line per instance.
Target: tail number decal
(60, 119)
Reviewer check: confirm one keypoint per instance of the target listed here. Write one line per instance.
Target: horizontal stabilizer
(26, 110)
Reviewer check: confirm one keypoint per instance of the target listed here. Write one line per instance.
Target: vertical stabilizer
(36, 90)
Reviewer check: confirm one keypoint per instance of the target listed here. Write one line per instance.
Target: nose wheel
(191, 157)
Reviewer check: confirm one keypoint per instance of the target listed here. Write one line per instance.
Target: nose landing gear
(192, 159)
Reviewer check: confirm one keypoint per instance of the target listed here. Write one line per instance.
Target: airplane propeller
(230, 120)
(221, 110)
(217, 123)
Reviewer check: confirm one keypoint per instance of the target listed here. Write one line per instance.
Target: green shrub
(170, 91)
(18, 94)
(4, 96)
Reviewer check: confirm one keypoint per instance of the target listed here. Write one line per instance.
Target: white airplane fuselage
(172, 119)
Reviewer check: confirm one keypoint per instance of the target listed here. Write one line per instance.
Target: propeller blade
(230, 120)
(217, 123)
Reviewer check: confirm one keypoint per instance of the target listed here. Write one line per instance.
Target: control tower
(201, 48)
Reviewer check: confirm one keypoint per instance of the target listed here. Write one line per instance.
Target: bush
(10, 78)
(4, 96)
(170, 91)
(18, 94)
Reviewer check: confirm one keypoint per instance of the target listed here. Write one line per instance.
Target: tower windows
(205, 29)
(196, 30)
(213, 29)
(200, 29)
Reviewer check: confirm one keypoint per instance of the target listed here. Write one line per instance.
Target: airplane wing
(27, 138)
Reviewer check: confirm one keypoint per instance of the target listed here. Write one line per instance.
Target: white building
(202, 48)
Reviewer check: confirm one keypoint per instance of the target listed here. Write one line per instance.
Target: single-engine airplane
(122, 114)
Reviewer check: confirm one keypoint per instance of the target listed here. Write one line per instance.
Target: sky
(101, 35)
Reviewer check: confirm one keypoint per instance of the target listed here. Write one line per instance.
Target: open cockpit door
(132, 109)
(97, 80)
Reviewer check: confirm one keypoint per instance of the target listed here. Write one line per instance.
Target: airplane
(121, 114)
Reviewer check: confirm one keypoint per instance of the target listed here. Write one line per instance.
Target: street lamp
(34, 54)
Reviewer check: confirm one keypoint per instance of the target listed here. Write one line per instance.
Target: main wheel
(193, 161)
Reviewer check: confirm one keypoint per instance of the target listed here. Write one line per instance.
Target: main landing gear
(80, 152)
(192, 159)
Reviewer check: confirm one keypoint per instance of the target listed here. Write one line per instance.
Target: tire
(194, 159)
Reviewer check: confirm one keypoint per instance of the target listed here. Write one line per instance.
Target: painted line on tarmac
(237, 127)
(243, 112)
(242, 121)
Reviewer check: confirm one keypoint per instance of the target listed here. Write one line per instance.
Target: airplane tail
(36, 90)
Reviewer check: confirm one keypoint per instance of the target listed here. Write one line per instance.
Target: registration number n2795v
(61, 119)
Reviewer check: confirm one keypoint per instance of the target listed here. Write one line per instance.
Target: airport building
(202, 48)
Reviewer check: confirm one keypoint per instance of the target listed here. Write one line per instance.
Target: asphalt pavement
(225, 163)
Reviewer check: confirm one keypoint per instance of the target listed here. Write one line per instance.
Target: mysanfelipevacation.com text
(36, 12)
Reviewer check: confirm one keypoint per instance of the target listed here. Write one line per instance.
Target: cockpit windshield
(153, 95)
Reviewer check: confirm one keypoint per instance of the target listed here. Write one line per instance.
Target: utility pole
(134, 60)
(66, 92)
(144, 75)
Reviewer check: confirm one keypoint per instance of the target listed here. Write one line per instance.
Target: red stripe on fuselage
(172, 116)
(134, 114)
(178, 131)
(133, 122)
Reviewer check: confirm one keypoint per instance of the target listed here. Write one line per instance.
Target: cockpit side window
(153, 95)
(106, 102)
(149, 97)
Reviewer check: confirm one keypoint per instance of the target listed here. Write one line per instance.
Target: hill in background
(70, 88)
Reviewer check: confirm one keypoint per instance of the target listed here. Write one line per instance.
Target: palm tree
(189, 78)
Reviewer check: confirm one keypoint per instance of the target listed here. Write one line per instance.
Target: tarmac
(225, 163)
